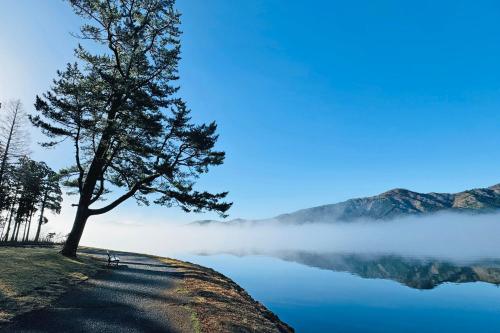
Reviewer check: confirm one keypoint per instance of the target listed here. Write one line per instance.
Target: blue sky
(316, 101)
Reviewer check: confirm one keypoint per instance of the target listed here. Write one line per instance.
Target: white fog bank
(443, 235)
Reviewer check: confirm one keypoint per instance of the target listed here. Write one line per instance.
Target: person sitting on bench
(112, 259)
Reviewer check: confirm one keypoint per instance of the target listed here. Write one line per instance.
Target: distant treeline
(28, 189)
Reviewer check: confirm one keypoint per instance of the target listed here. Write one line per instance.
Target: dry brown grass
(32, 278)
(220, 305)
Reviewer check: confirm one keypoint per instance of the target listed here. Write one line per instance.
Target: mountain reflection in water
(354, 293)
(416, 273)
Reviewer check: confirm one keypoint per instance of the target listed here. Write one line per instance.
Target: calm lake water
(350, 293)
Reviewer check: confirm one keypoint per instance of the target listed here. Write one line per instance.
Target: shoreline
(197, 298)
(221, 305)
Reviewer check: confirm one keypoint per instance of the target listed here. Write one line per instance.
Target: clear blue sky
(317, 101)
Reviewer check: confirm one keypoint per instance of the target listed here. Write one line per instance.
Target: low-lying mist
(452, 236)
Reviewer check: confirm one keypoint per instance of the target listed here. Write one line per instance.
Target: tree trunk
(37, 236)
(40, 220)
(11, 214)
(13, 231)
(6, 237)
(29, 227)
(4, 225)
(95, 170)
(3, 229)
(71, 244)
(16, 229)
(24, 231)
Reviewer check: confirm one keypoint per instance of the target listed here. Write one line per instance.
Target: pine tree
(30, 177)
(32, 186)
(121, 110)
(51, 199)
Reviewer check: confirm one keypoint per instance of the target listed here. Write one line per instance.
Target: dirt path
(138, 296)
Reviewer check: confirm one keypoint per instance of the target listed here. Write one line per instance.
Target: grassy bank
(32, 277)
(220, 305)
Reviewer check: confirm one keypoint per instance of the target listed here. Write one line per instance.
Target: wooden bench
(112, 259)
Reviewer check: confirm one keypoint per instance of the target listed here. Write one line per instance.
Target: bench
(112, 259)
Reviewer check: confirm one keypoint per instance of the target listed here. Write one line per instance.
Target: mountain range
(388, 205)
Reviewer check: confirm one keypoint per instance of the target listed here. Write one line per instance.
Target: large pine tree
(120, 108)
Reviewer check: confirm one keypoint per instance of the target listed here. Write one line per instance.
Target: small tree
(121, 111)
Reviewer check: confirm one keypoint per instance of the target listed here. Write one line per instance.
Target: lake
(359, 293)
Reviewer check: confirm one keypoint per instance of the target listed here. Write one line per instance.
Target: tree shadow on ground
(123, 299)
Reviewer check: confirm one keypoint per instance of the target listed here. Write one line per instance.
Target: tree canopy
(121, 109)
(29, 186)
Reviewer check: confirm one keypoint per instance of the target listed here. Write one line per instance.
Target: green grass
(32, 278)
(195, 321)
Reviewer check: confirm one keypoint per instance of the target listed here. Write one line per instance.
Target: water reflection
(332, 292)
(418, 273)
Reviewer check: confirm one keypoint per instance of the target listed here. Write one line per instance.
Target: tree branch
(124, 197)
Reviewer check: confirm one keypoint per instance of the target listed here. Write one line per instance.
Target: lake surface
(352, 293)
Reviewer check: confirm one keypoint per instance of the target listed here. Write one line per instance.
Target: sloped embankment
(220, 305)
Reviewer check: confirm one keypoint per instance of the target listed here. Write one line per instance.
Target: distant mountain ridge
(389, 205)
(398, 203)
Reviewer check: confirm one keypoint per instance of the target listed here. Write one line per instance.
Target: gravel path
(138, 296)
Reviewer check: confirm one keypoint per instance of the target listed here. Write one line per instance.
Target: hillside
(397, 203)
(392, 204)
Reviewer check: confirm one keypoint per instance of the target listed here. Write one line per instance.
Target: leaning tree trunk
(13, 232)
(29, 227)
(95, 170)
(71, 244)
(37, 236)
(82, 213)
(6, 237)
(23, 239)
(16, 229)
(11, 214)
(4, 225)
(40, 220)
